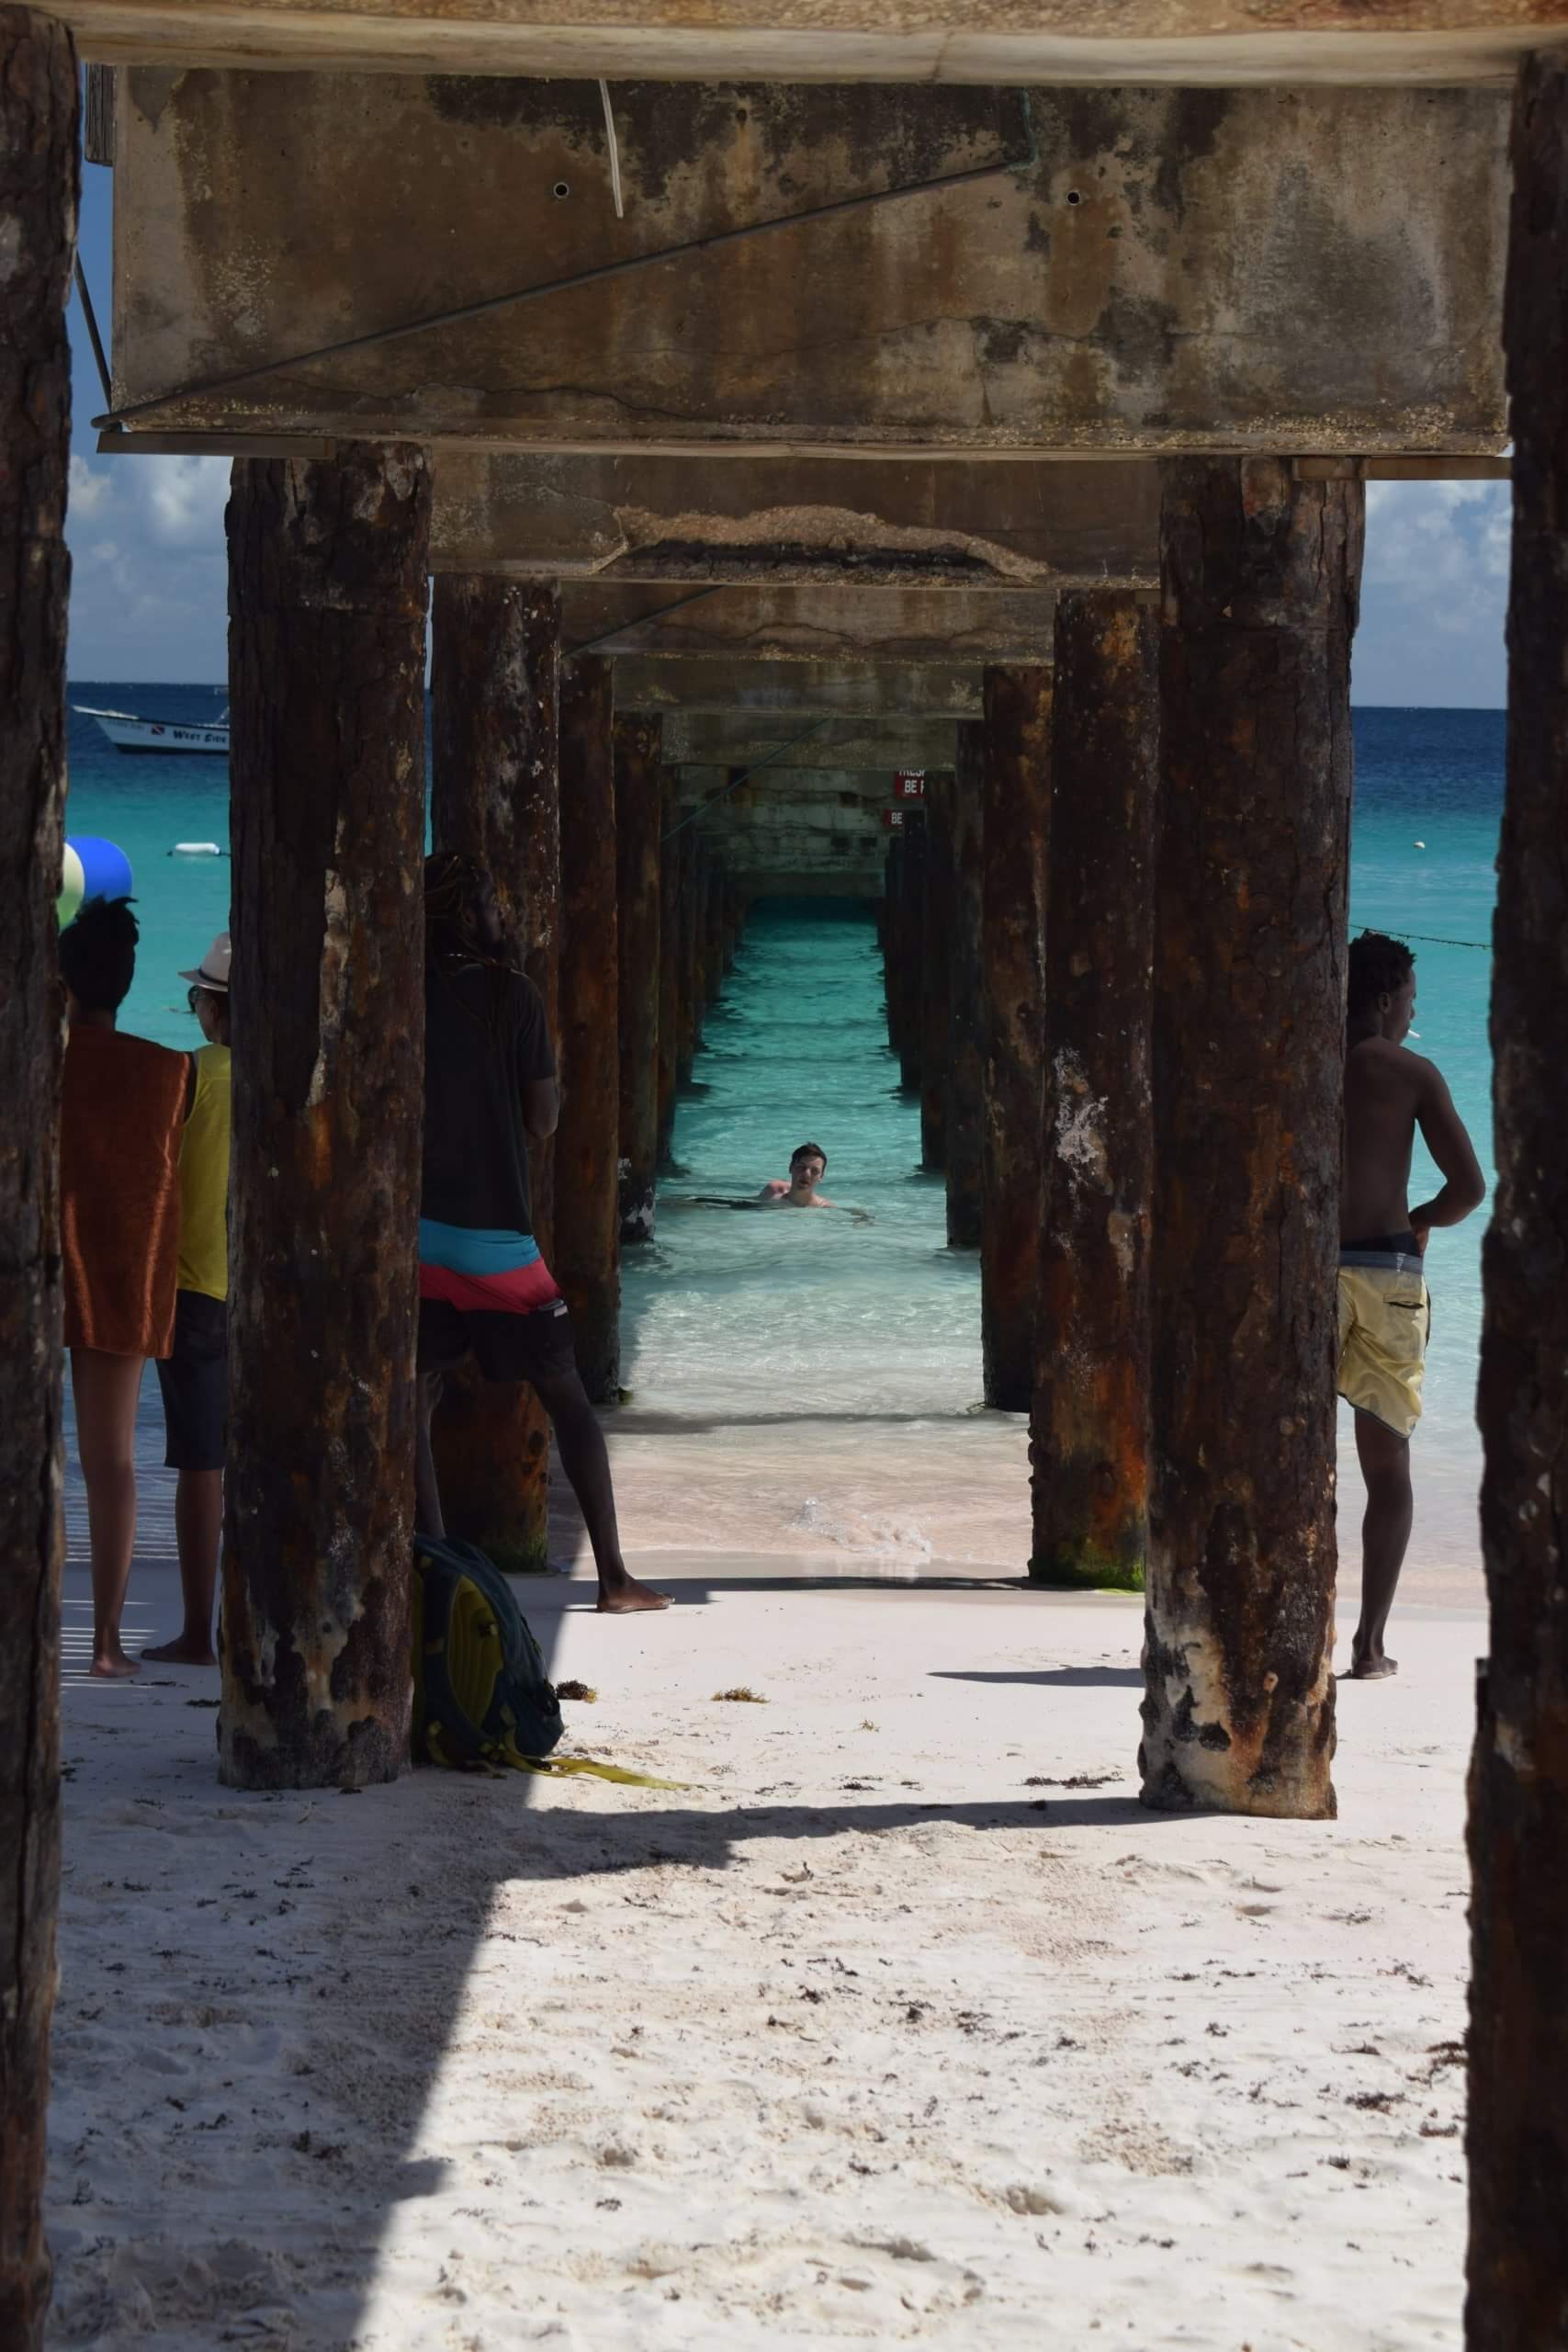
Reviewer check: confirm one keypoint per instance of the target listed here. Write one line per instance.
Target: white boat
(129, 733)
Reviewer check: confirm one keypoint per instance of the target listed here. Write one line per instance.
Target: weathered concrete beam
(807, 520)
(1113, 284)
(1258, 606)
(1155, 42)
(588, 1257)
(809, 625)
(1518, 2137)
(746, 687)
(881, 747)
(495, 681)
(328, 578)
(1090, 1420)
(38, 224)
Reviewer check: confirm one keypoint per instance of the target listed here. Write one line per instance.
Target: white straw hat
(212, 972)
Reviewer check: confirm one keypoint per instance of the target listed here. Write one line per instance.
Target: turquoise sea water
(753, 1318)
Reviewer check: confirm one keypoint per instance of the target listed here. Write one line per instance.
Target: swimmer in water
(808, 1166)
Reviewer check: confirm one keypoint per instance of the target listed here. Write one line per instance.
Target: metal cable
(744, 777)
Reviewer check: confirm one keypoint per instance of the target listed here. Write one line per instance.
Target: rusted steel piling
(638, 816)
(887, 938)
(1090, 1426)
(1518, 2136)
(588, 1253)
(38, 228)
(936, 971)
(1259, 576)
(328, 570)
(668, 957)
(967, 1075)
(495, 687)
(1015, 786)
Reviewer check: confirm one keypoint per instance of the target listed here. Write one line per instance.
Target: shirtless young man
(1384, 1308)
(808, 1166)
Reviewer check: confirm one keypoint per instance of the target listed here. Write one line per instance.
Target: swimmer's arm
(1443, 1132)
(856, 1216)
(774, 1190)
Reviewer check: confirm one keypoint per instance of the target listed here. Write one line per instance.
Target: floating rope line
(1429, 939)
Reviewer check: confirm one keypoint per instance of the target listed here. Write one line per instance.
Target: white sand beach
(901, 2023)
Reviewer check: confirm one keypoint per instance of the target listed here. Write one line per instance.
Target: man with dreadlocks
(484, 1289)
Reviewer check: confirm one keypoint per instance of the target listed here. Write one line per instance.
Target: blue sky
(149, 597)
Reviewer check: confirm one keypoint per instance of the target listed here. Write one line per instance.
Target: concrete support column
(1259, 577)
(936, 971)
(1518, 1783)
(967, 1075)
(1016, 788)
(495, 684)
(588, 1253)
(639, 818)
(328, 579)
(670, 854)
(1090, 1429)
(37, 231)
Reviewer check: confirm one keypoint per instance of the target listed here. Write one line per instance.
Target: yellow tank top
(204, 1179)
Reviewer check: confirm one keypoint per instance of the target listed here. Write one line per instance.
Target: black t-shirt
(484, 1038)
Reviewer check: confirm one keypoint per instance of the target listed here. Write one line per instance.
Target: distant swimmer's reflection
(808, 1166)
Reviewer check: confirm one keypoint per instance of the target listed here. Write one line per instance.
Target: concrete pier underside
(1155, 269)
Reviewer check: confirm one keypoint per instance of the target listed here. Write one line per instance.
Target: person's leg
(585, 1458)
(198, 1532)
(104, 1389)
(1385, 1534)
(426, 1491)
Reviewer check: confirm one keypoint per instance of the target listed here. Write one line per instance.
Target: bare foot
(183, 1653)
(622, 1599)
(113, 1665)
(1371, 1668)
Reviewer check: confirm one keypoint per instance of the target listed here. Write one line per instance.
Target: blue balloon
(106, 869)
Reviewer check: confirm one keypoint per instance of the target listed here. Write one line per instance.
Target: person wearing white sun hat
(194, 1379)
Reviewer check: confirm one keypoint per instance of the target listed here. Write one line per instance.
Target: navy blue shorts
(195, 1382)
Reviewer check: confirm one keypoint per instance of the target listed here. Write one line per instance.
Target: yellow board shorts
(1385, 1319)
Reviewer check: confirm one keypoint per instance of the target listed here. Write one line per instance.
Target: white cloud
(89, 491)
(183, 498)
(1434, 593)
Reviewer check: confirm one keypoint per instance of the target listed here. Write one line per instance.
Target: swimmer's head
(808, 1164)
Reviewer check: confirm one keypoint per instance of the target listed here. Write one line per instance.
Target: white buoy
(195, 849)
(1418, 844)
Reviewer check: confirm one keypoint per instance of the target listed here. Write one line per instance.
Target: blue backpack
(480, 1693)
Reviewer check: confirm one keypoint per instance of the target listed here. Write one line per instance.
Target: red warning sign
(910, 784)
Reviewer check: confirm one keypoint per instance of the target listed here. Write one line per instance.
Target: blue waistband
(474, 1249)
(1396, 1262)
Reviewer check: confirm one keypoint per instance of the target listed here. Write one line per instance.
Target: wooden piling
(1016, 789)
(1090, 1426)
(1518, 2133)
(911, 950)
(966, 1072)
(328, 570)
(495, 684)
(639, 817)
(670, 854)
(1259, 577)
(588, 1252)
(38, 228)
(936, 972)
(888, 939)
(686, 956)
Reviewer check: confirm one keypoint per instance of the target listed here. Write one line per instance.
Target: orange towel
(122, 1111)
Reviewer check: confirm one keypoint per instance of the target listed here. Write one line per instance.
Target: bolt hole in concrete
(1073, 196)
(560, 188)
